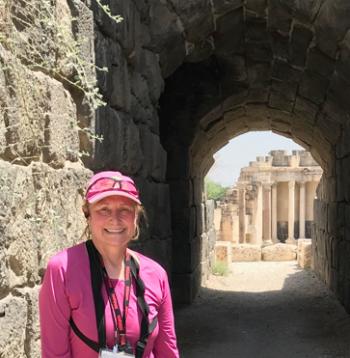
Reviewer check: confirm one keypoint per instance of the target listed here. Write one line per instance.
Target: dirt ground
(264, 310)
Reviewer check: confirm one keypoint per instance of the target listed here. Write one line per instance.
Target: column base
(266, 243)
(291, 241)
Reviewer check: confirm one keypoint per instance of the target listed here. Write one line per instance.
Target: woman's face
(113, 220)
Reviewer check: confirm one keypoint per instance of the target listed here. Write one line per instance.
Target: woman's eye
(126, 211)
(105, 212)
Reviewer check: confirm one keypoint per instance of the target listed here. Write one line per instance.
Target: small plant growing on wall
(36, 35)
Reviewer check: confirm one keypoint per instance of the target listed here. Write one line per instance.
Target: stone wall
(50, 131)
(271, 65)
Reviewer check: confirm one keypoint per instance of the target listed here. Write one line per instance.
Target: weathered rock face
(279, 252)
(50, 134)
(246, 252)
(304, 254)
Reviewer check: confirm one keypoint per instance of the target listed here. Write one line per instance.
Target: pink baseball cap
(111, 183)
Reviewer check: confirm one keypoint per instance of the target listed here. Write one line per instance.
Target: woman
(99, 298)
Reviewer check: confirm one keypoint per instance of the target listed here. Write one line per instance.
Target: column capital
(291, 184)
(267, 185)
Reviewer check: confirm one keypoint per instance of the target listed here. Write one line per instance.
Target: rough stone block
(223, 252)
(259, 74)
(160, 207)
(256, 30)
(330, 129)
(140, 90)
(340, 90)
(167, 39)
(150, 69)
(279, 252)
(306, 11)
(280, 45)
(256, 6)
(331, 25)
(121, 146)
(120, 97)
(185, 286)
(246, 252)
(282, 95)
(34, 218)
(223, 6)
(304, 253)
(155, 165)
(187, 255)
(306, 110)
(259, 51)
(345, 175)
(229, 35)
(279, 17)
(32, 326)
(210, 206)
(300, 41)
(344, 58)
(108, 54)
(196, 17)
(41, 121)
(319, 63)
(281, 70)
(313, 87)
(13, 319)
(157, 249)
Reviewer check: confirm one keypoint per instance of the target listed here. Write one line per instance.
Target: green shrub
(220, 268)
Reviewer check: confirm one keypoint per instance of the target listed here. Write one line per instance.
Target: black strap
(146, 327)
(92, 344)
(96, 280)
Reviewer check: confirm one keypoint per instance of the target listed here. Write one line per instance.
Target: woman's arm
(54, 313)
(165, 345)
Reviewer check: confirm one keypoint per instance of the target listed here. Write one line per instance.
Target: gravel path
(264, 310)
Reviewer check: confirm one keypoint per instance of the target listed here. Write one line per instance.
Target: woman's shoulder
(68, 256)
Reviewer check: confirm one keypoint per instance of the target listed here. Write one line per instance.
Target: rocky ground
(264, 310)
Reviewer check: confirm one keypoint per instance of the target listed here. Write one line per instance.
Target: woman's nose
(116, 215)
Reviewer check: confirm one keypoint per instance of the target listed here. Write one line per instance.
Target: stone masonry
(267, 65)
(222, 67)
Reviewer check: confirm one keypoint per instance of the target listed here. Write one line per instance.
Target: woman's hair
(139, 211)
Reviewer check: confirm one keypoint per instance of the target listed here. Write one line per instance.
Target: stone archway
(282, 68)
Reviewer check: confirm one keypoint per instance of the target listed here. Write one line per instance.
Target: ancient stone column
(267, 214)
(241, 208)
(259, 217)
(274, 213)
(291, 212)
(302, 211)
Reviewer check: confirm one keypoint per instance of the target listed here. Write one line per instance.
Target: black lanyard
(119, 320)
(96, 283)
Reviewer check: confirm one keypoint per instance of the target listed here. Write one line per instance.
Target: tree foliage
(215, 191)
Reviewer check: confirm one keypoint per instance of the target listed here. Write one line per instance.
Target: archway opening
(260, 193)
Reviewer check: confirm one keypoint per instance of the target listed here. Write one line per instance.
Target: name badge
(106, 353)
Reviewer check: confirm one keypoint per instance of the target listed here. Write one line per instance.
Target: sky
(243, 149)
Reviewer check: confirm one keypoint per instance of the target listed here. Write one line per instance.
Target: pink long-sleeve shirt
(66, 292)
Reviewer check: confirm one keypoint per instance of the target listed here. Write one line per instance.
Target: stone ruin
(271, 203)
(184, 77)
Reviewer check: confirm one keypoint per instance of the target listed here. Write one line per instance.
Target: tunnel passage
(280, 74)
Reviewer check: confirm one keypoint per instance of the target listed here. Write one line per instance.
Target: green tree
(215, 191)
